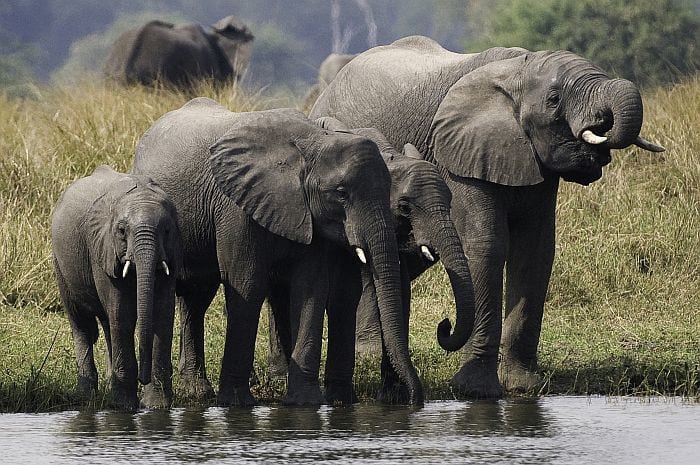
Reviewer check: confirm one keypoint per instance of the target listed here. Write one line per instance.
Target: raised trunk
(145, 261)
(448, 245)
(384, 263)
(624, 102)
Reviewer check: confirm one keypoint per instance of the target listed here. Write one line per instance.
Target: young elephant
(116, 252)
(270, 199)
(420, 203)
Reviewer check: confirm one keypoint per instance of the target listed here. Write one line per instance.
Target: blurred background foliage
(649, 41)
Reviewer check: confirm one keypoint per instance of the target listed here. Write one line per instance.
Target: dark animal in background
(180, 55)
(269, 200)
(116, 254)
(503, 127)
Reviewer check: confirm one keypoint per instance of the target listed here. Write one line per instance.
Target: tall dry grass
(622, 312)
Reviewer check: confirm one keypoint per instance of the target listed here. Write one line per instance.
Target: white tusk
(126, 268)
(361, 254)
(165, 267)
(646, 145)
(426, 253)
(593, 139)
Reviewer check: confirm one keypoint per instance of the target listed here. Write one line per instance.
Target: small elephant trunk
(145, 261)
(451, 252)
(384, 263)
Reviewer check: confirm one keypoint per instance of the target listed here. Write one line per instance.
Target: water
(550, 430)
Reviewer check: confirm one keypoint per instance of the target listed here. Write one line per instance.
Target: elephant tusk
(646, 145)
(166, 269)
(426, 253)
(593, 139)
(126, 268)
(361, 254)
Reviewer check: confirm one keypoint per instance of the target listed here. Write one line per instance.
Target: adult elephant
(269, 199)
(329, 68)
(180, 55)
(101, 226)
(503, 126)
(420, 204)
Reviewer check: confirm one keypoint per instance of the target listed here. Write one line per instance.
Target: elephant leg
(194, 301)
(528, 270)
(480, 214)
(280, 332)
(309, 295)
(344, 294)
(159, 392)
(242, 317)
(84, 330)
(368, 339)
(122, 325)
(392, 390)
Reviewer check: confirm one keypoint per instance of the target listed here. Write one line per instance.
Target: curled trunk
(145, 260)
(449, 246)
(625, 104)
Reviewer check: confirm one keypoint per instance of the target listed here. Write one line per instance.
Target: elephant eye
(553, 98)
(341, 193)
(121, 229)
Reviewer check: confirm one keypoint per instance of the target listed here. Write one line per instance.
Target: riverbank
(621, 315)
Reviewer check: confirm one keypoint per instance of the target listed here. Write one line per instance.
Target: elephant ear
(100, 218)
(259, 165)
(476, 131)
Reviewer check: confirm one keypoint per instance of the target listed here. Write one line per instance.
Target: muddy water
(552, 430)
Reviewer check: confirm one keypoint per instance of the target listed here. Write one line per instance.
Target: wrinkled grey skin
(329, 68)
(268, 200)
(100, 223)
(502, 126)
(420, 203)
(180, 55)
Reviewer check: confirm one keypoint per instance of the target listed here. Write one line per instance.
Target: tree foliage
(646, 41)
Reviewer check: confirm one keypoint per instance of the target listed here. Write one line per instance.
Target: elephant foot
(517, 379)
(87, 387)
(155, 396)
(195, 389)
(233, 396)
(340, 394)
(393, 391)
(307, 395)
(124, 399)
(477, 379)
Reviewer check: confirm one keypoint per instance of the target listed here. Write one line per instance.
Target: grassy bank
(622, 315)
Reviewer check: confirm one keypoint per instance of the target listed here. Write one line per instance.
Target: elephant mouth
(587, 162)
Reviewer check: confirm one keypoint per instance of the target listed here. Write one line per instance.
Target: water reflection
(548, 430)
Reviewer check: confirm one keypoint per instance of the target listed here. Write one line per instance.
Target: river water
(549, 430)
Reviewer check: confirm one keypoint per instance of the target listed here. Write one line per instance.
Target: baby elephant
(116, 252)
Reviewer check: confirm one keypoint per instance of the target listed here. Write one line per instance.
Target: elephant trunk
(384, 263)
(449, 247)
(145, 246)
(624, 103)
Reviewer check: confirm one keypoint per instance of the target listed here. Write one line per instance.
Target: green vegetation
(622, 314)
(648, 41)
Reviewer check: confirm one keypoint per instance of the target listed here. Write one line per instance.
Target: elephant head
(420, 203)
(534, 115)
(133, 230)
(235, 40)
(305, 183)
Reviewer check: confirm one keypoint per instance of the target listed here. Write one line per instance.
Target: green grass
(622, 314)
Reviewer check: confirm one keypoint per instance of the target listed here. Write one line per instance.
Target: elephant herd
(411, 154)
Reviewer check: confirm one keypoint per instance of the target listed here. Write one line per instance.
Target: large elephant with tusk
(503, 127)
(116, 253)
